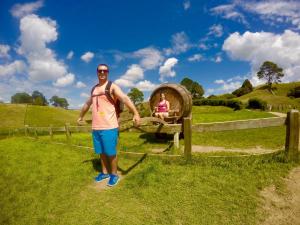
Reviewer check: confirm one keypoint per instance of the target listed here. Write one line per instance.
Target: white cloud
(35, 34)
(70, 55)
(124, 83)
(225, 86)
(258, 47)
(146, 85)
(195, 58)
(80, 84)
(84, 95)
(64, 81)
(87, 57)
(203, 46)
(166, 69)
(132, 75)
(21, 10)
(180, 44)
(13, 68)
(219, 81)
(186, 4)
(150, 57)
(216, 30)
(229, 11)
(275, 11)
(218, 59)
(4, 49)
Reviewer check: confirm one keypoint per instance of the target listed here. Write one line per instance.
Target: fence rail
(292, 122)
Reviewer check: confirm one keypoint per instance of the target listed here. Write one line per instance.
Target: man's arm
(84, 109)
(126, 100)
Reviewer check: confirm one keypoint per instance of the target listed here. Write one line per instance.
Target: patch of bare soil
(283, 208)
(100, 186)
(207, 149)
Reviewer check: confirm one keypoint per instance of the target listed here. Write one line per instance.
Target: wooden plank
(176, 140)
(83, 129)
(168, 128)
(292, 136)
(187, 131)
(51, 132)
(26, 130)
(68, 133)
(239, 124)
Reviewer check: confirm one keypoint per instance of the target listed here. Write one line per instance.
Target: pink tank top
(162, 106)
(104, 115)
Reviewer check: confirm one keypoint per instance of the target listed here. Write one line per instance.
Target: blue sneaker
(113, 180)
(101, 177)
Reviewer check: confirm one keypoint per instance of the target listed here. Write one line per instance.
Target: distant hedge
(255, 103)
(295, 92)
(235, 104)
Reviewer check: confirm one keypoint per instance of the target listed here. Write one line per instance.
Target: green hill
(17, 115)
(279, 99)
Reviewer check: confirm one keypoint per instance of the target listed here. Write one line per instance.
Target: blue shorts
(105, 141)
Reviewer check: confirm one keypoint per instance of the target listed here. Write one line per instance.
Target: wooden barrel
(179, 97)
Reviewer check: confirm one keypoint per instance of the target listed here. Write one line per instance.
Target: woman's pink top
(104, 115)
(162, 106)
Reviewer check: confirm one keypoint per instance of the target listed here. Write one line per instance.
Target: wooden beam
(187, 132)
(239, 124)
(292, 136)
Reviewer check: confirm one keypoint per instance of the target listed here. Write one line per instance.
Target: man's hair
(103, 65)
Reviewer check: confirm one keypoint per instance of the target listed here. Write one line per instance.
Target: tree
(22, 97)
(136, 96)
(59, 102)
(194, 87)
(38, 98)
(245, 89)
(271, 72)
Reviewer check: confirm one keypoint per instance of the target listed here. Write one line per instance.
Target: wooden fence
(292, 122)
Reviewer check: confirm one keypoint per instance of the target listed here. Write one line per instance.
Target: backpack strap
(107, 92)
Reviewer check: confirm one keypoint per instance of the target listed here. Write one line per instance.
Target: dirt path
(278, 114)
(99, 186)
(207, 149)
(283, 209)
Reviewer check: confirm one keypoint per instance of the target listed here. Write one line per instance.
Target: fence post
(35, 133)
(292, 136)
(176, 140)
(68, 134)
(26, 130)
(51, 132)
(187, 132)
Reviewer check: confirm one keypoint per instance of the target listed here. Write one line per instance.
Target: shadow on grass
(97, 165)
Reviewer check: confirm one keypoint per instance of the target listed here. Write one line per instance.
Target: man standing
(105, 125)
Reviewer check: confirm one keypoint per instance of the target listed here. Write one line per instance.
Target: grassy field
(42, 183)
(280, 97)
(17, 115)
(206, 114)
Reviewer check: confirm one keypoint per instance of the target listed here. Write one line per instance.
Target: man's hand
(136, 120)
(80, 121)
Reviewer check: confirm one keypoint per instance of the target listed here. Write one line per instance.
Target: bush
(255, 103)
(295, 92)
(235, 104)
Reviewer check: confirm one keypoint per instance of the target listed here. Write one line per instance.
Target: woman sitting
(163, 107)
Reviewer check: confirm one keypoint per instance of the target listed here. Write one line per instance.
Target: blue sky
(55, 46)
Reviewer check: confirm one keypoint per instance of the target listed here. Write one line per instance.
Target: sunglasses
(102, 71)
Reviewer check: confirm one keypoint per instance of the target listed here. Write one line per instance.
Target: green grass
(128, 141)
(280, 97)
(206, 114)
(268, 138)
(42, 183)
(17, 115)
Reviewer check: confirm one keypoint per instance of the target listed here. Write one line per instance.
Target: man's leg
(113, 162)
(105, 164)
